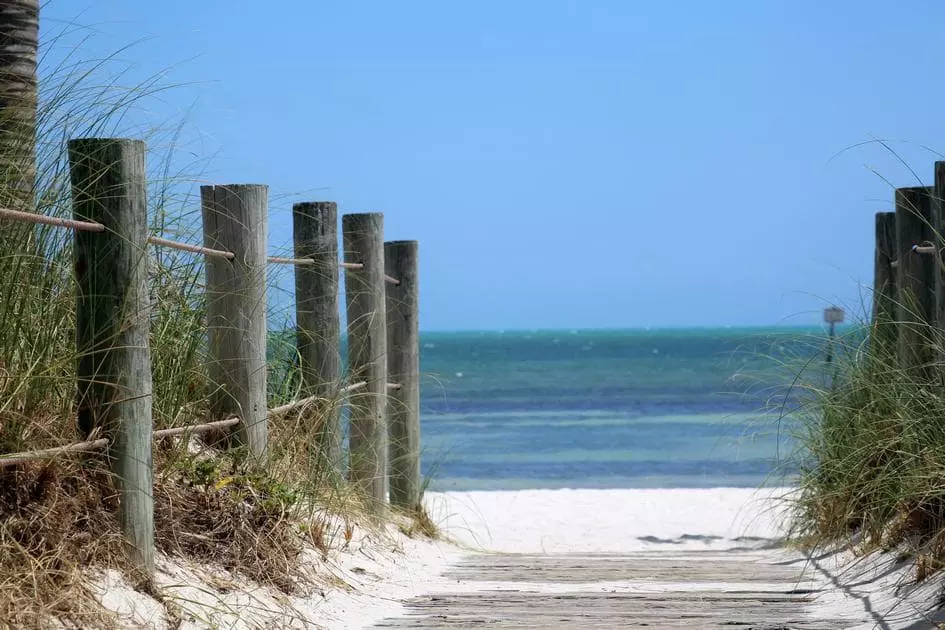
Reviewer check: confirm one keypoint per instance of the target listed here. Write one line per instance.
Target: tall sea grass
(872, 447)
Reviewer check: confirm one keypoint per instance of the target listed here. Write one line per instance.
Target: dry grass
(215, 513)
(56, 519)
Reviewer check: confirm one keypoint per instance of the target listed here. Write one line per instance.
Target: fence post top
(361, 215)
(234, 186)
(401, 243)
(104, 140)
(914, 190)
(314, 204)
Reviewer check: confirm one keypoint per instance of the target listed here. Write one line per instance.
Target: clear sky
(566, 164)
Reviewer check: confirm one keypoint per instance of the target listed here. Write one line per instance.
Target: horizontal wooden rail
(196, 249)
(32, 217)
(79, 447)
(196, 428)
(278, 260)
(305, 401)
(93, 445)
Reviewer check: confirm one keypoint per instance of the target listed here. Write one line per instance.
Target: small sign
(833, 315)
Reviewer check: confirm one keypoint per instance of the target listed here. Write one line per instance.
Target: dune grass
(872, 449)
(58, 517)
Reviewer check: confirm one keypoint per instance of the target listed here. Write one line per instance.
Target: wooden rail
(197, 249)
(32, 217)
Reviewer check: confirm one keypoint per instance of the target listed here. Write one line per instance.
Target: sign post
(833, 315)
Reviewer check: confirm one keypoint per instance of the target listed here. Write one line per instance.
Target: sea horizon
(658, 328)
(675, 407)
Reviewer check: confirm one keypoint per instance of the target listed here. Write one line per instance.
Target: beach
(556, 446)
(676, 548)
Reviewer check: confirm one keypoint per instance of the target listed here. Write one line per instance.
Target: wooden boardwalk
(745, 590)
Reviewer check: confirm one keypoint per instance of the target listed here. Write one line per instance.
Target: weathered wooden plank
(363, 237)
(318, 321)
(403, 368)
(648, 589)
(234, 220)
(504, 609)
(112, 323)
(884, 285)
(915, 281)
(938, 239)
(564, 569)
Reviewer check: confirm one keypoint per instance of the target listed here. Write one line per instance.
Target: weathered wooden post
(915, 280)
(112, 324)
(938, 240)
(403, 369)
(234, 220)
(318, 321)
(883, 333)
(363, 237)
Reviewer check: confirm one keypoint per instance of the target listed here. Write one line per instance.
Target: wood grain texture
(704, 590)
(403, 369)
(363, 237)
(234, 220)
(915, 282)
(112, 324)
(938, 239)
(884, 283)
(318, 322)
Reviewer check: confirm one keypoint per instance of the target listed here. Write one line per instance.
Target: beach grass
(871, 449)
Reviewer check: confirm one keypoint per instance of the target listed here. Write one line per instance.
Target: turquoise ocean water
(611, 409)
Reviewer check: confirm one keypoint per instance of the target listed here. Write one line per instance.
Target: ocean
(688, 408)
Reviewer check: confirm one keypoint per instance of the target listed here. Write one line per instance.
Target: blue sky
(565, 164)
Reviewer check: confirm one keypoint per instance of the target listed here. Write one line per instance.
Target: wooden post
(318, 321)
(884, 331)
(234, 219)
(914, 276)
(112, 324)
(363, 236)
(403, 368)
(938, 239)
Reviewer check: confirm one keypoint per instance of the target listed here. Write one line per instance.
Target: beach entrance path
(745, 589)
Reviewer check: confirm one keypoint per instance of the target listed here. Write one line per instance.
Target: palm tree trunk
(19, 41)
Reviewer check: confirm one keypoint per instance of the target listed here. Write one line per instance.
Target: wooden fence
(112, 332)
(908, 309)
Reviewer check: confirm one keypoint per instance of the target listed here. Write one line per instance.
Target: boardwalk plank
(741, 590)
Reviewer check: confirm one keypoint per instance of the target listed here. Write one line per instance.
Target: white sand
(367, 581)
(355, 586)
(556, 521)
